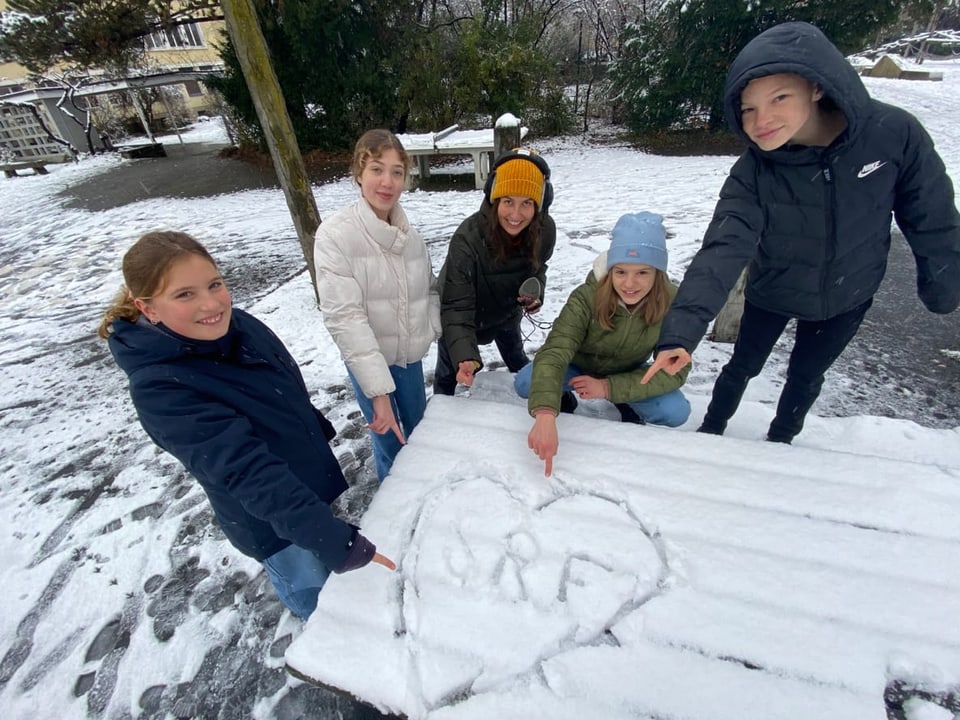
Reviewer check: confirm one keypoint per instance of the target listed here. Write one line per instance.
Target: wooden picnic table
(479, 144)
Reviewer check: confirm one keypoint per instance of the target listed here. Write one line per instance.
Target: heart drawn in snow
(501, 576)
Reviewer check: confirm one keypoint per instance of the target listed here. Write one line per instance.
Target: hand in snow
(543, 439)
(590, 388)
(670, 361)
(383, 418)
(384, 560)
(465, 372)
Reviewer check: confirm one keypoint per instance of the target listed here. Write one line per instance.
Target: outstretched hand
(543, 439)
(383, 418)
(385, 561)
(670, 361)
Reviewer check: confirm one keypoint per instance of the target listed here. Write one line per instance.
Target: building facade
(175, 63)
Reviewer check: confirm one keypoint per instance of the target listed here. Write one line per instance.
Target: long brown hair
(505, 246)
(653, 307)
(145, 267)
(371, 146)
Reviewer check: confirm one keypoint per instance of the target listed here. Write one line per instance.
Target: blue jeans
(409, 402)
(297, 575)
(671, 409)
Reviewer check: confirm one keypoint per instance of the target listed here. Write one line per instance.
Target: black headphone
(524, 154)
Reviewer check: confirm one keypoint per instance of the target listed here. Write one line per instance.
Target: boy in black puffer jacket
(808, 205)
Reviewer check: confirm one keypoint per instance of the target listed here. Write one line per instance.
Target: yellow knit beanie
(518, 176)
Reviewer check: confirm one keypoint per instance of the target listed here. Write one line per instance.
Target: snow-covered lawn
(123, 600)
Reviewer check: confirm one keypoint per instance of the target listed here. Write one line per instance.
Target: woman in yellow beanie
(494, 251)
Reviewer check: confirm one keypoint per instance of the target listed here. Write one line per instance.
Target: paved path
(901, 346)
(190, 170)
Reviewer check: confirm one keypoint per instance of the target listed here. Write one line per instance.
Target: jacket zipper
(830, 250)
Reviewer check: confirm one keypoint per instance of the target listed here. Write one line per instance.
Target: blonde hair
(653, 307)
(371, 146)
(145, 267)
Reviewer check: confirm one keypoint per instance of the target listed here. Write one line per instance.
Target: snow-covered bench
(479, 144)
(658, 573)
(38, 166)
(134, 151)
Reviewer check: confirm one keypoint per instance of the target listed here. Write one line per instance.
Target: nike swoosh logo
(869, 168)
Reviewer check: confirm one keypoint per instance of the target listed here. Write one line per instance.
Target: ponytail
(122, 308)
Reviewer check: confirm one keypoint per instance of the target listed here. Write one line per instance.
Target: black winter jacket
(478, 296)
(236, 413)
(814, 223)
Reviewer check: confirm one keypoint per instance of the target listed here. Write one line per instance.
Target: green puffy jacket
(478, 297)
(619, 355)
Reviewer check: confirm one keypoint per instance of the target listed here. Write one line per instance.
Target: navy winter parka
(236, 413)
(814, 223)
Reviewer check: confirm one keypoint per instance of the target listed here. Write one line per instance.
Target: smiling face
(193, 300)
(781, 108)
(515, 213)
(632, 281)
(381, 182)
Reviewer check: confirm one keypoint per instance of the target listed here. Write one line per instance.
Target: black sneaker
(568, 402)
(629, 415)
(784, 440)
(709, 430)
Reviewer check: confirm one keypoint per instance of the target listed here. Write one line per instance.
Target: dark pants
(817, 346)
(509, 343)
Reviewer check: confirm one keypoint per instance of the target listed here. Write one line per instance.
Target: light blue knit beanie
(639, 238)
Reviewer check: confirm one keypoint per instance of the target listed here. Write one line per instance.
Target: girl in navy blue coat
(215, 388)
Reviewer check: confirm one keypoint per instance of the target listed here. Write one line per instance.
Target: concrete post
(506, 134)
(142, 115)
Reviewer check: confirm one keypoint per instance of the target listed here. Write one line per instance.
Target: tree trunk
(727, 325)
(251, 49)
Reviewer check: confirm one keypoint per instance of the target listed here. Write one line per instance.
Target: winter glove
(360, 552)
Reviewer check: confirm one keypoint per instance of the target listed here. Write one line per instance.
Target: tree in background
(336, 63)
(673, 65)
(92, 34)
(920, 18)
(406, 64)
(476, 60)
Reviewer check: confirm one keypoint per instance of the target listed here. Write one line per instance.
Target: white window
(181, 36)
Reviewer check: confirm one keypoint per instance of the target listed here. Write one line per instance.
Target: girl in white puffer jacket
(378, 295)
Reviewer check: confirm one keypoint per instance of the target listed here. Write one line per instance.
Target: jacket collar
(392, 236)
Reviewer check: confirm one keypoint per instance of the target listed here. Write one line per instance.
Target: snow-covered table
(453, 141)
(658, 573)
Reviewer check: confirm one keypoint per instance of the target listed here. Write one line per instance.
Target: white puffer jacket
(378, 293)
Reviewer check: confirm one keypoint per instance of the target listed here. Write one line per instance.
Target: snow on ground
(125, 601)
(656, 574)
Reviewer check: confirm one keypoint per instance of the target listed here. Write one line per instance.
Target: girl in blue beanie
(604, 336)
